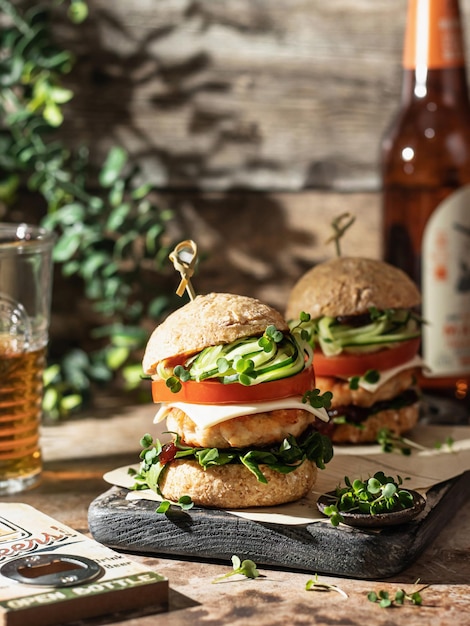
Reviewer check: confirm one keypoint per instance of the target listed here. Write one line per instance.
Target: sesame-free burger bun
(233, 487)
(209, 320)
(350, 286)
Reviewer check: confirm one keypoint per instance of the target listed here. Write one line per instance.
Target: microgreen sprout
(386, 601)
(184, 503)
(316, 399)
(273, 333)
(377, 494)
(449, 442)
(173, 384)
(391, 442)
(316, 585)
(223, 365)
(146, 441)
(245, 568)
(340, 226)
(371, 377)
(342, 419)
(304, 327)
(180, 374)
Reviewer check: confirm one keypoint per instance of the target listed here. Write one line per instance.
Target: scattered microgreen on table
(245, 568)
(386, 601)
(377, 494)
(391, 442)
(448, 442)
(314, 584)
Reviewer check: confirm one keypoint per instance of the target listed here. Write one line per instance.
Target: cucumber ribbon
(384, 329)
(247, 361)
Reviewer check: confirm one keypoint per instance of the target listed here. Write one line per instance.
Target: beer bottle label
(433, 37)
(446, 287)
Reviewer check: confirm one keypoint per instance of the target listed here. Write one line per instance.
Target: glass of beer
(25, 297)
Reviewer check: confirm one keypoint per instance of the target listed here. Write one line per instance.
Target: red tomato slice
(214, 392)
(357, 364)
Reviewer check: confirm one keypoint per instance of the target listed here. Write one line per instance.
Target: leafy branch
(111, 239)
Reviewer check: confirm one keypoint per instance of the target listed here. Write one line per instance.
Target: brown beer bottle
(425, 158)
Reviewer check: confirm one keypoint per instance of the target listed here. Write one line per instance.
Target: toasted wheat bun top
(209, 320)
(350, 286)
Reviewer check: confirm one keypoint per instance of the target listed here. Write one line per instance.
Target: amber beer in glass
(25, 295)
(425, 157)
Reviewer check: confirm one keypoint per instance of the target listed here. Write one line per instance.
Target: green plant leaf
(71, 403)
(78, 11)
(115, 161)
(116, 357)
(66, 246)
(124, 245)
(118, 217)
(93, 263)
(110, 233)
(67, 215)
(133, 375)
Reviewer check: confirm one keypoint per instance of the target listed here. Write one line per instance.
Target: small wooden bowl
(379, 520)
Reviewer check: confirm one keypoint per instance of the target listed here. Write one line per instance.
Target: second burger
(362, 321)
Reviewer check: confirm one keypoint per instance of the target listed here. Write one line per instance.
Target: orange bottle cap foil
(433, 36)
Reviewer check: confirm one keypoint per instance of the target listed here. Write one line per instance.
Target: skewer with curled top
(184, 258)
(340, 225)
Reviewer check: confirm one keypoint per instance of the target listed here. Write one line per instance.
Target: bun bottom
(398, 421)
(234, 486)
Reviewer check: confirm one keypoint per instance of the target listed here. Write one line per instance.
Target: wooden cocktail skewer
(184, 258)
(340, 227)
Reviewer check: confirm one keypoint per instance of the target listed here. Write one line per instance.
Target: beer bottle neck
(433, 54)
(447, 86)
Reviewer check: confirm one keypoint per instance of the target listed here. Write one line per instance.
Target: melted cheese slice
(207, 415)
(386, 375)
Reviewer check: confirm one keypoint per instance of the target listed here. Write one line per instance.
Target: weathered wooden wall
(220, 94)
(258, 94)
(259, 120)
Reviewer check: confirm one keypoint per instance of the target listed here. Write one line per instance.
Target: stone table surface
(78, 452)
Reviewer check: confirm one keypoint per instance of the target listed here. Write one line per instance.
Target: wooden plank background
(259, 120)
(224, 94)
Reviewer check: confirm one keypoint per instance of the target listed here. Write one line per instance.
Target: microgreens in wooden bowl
(377, 501)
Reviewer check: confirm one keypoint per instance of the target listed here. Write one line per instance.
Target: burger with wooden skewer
(237, 389)
(361, 318)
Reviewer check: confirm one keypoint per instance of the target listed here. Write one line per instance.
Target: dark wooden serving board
(318, 548)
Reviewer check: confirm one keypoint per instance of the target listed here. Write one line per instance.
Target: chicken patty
(343, 395)
(258, 430)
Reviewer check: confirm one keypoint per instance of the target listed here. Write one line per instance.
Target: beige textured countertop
(78, 452)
